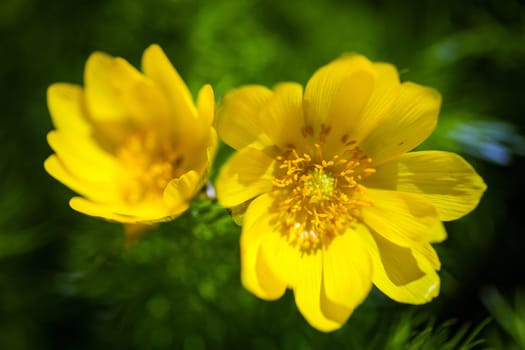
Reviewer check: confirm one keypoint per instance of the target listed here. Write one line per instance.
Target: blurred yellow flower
(133, 145)
(333, 202)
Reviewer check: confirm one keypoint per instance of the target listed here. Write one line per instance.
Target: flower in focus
(133, 145)
(332, 201)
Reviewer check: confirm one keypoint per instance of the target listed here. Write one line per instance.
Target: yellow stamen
(150, 165)
(319, 197)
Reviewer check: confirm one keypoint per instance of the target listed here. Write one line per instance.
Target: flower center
(150, 165)
(318, 197)
(320, 185)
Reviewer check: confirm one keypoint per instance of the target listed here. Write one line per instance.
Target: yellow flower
(133, 145)
(333, 202)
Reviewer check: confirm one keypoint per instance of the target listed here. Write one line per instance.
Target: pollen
(318, 196)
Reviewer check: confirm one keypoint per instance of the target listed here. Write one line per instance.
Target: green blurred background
(66, 280)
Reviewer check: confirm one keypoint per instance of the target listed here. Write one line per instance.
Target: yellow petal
(95, 209)
(411, 119)
(146, 212)
(284, 263)
(385, 93)
(256, 275)
(148, 107)
(211, 149)
(426, 251)
(402, 218)
(336, 312)
(198, 146)
(118, 212)
(122, 76)
(281, 258)
(83, 157)
(156, 66)
(197, 156)
(273, 287)
(191, 129)
(307, 292)
(362, 102)
(239, 121)
(351, 97)
(403, 274)
(245, 175)
(445, 179)
(206, 105)
(270, 264)
(282, 116)
(179, 191)
(333, 83)
(144, 102)
(95, 190)
(99, 89)
(347, 270)
(348, 106)
(438, 233)
(120, 100)
(66, 106)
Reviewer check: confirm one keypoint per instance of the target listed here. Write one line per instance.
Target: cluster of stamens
(150, 165)
(319, 196)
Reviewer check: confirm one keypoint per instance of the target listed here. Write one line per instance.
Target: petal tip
(50, 164)
(154, 50)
